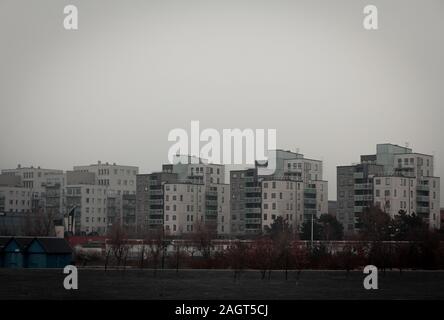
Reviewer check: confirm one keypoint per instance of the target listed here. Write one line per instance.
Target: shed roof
(3, 242)
(54, 245)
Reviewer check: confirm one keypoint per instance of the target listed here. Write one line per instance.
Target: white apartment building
(392, 194)
(184, 207)
(35, 178)
(279, 199)
(15, 200)
(393, 179)
(294, 201)
(118, 178)
(188, 204)
(90, 213)
(303, 169)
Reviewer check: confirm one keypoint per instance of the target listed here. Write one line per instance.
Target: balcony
(358, 175)
(252, 189)
(310, 200)
(155, 221)
(211, 202)
(156, 211)
(422, 210)
(363, 186)
(212, 193)
(211, 212)
(310, 190)
(359, 209)
(252, 210)
(253, 221)
(253, 200)
(422, 198)
(156, 201)
(363, 197)
(423, 187)
(310, 211)
(155, 192)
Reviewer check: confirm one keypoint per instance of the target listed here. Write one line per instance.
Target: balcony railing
(252, 210)
(358, 175)
(423, 198)
(363, 186)
(155, 221)
(253, 221)
(310, 190)
(422, 209)
(252, 189)
(363, 197)
(310, 200)
(359, 209)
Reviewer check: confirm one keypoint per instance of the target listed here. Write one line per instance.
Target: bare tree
(117, 244)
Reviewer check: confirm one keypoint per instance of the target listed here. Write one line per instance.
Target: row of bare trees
(402, 242)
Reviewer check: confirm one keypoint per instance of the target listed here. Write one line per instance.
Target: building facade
(393, 179)
(294, 191)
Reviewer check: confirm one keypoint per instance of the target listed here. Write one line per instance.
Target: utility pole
(312, 218)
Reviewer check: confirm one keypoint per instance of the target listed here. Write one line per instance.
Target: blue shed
(3, 242)
(14, 252)
(48, 253)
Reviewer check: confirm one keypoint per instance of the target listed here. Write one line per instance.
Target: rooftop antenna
(407, 144)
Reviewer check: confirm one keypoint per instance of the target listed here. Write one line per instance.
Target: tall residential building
(120, 183)
(117, 178)
(14, 197)
(393, 179)
(89, 202)
(182, 195)
(295, 191)
(36, 179)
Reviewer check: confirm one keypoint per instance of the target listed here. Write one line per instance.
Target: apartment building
(295, 191)
(89, 202)
(117, 178)
(120, 183)
(393, 179)
(150, 199)
(183, 194)
(184, 207)
(36, 179)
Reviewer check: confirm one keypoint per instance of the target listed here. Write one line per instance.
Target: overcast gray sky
(134, 70)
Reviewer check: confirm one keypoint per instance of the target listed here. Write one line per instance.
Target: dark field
(215, 284)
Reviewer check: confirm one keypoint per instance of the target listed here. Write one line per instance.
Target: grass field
(217, 284)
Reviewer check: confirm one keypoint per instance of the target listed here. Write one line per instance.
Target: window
(265, 216)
